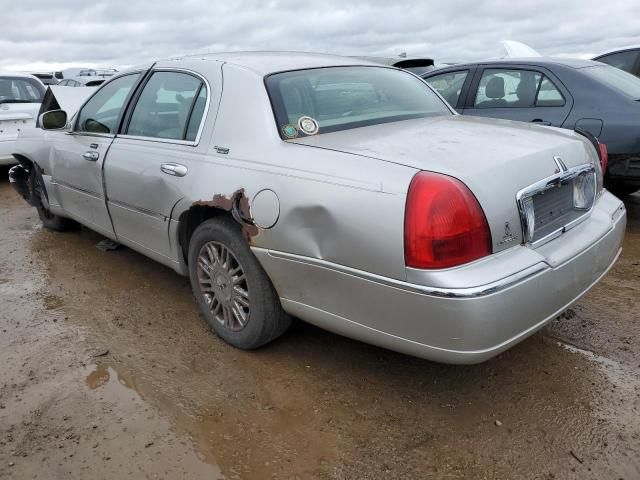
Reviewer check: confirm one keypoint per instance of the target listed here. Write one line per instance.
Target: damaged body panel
(226, 153)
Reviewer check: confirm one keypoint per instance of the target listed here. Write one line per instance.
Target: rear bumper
(6, 149)
(454, 325)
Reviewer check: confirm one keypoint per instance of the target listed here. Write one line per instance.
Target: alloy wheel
(224, 286)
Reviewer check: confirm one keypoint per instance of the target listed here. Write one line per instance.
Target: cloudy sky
(48, 35)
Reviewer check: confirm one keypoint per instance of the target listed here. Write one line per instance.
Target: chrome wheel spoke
(204, 265)
(214, 305)
(242, 301)
(240, 313)
(241, 291)
(212, 252)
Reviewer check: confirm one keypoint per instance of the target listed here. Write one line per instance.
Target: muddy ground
(109, 372)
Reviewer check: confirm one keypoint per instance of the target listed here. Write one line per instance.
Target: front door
(78, 158)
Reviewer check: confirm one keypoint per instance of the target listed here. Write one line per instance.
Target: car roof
(267, 62)
(86, 79)
(7, 73)
(618, 50)
(534, 61)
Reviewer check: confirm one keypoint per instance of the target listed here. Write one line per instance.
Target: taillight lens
(444, 225)
(604, 156)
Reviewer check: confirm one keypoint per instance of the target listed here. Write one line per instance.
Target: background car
(20, 98)
(567, 93)
(627, 59)
(48, 78)
(85, 81)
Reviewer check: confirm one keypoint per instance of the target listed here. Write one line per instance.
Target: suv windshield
(20, 90)
(619, 79)
(322, 100)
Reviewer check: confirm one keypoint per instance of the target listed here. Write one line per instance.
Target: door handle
(539, 121)
(91, 156)
(174, 169)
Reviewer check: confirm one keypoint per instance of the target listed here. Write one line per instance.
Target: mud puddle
(311, 405)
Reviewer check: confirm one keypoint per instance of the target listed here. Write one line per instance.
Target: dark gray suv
(567, 93)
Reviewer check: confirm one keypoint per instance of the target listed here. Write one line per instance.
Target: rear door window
(171, 106)
(516, 88)
(449, 85)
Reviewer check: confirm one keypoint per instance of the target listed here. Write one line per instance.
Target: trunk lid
(494, 158)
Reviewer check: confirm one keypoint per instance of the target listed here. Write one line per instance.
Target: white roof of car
(264, 63)
(7, 73)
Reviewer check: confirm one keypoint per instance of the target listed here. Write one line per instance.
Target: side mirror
(53, 120)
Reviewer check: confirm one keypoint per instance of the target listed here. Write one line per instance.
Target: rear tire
(232, 289)
(41, 200)
(621, 189)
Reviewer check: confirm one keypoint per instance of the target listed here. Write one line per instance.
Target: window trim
(127, 100)
(473, 93)
(134, 101)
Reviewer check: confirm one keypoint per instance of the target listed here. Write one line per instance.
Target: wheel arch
(190, 219)
(235, 206)
(23, 160)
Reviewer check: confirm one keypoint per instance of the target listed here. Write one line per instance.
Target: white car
(20, 99)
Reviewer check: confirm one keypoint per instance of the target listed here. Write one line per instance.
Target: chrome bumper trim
(470, 292)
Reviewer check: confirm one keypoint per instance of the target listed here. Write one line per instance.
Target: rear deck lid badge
(508, 236)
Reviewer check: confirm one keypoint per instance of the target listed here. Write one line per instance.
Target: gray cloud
(126, 32)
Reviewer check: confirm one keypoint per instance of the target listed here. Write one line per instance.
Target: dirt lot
(109, 372)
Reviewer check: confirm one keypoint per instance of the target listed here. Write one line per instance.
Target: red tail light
(604, 156)
(444, 225)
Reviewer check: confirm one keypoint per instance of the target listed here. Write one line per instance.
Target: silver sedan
(334, 190)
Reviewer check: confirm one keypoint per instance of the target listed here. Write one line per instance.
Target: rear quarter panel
(333, 206)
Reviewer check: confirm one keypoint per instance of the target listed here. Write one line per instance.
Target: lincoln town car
(334, 190)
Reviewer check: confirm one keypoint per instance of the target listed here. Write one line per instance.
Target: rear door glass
(167, 103)
(516, 88)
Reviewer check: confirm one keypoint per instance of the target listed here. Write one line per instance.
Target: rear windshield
(322, 100)
(614, 77)
(20, 90)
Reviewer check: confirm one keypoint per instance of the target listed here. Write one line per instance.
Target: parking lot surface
(108, 371)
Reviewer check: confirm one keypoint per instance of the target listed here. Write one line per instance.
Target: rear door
(78, 156)
(526, 94)
(150, 163)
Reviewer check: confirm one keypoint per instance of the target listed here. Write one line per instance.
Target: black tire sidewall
(265, 311)
(50, 221)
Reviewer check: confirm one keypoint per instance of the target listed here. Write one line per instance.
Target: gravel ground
(110, 372)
